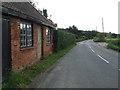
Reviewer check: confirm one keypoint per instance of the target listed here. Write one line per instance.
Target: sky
(84, 14)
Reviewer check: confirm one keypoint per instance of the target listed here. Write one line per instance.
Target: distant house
(27, 35)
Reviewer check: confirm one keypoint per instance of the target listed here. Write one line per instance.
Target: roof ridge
(29, 10)
(41, 13)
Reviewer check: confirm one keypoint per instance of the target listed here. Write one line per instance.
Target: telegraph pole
(103, 28)
(102, 25)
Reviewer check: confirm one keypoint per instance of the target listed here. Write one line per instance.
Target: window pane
(25, 34)
(29, 35)
(47, 35)
(22, 35)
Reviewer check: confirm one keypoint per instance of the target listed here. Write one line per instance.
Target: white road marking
(119, 69)
(103, 58)
(90, 47)
(93, 50)
(98, 55)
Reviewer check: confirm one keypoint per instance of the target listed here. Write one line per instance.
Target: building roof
(26, 11)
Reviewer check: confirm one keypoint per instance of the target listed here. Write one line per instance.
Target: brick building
(26, 35)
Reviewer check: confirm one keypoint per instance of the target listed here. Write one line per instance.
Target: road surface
(87, 65)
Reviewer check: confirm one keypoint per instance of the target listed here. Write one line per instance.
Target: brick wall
(47, 48)
(25, 56)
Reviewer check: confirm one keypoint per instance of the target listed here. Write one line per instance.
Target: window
(25, 35)
(48, 40)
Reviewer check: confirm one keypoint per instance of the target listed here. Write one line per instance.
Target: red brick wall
(47, 48)
(25, 56)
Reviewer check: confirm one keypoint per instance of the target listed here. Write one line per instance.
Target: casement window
(48, 38)
(26, 37)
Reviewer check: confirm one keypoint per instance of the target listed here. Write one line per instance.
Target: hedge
(62, 39)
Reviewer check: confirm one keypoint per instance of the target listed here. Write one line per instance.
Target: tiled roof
(27, 9)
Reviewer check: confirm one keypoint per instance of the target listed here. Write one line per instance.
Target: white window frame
(26, 36)
(48, 36)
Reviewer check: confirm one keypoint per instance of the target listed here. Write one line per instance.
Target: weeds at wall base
(24, 78)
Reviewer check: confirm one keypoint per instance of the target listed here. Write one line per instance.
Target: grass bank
(113, 43)
(112, 46)
(24, 78)
(112, 39)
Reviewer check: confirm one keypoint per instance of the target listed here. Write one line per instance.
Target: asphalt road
(87, 65)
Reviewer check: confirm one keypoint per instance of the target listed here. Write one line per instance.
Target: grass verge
(114, 47)
(24, 78)
(113, 43)
(111, 39)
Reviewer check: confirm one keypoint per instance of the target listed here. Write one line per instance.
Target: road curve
(87, 65)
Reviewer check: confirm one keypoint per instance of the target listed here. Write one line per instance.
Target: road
(87, 65)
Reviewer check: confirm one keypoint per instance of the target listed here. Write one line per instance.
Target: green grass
(24, 78)
(112, 46)
(113, 43)
(112, 39)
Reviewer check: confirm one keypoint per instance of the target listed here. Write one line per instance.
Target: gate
(6, 48)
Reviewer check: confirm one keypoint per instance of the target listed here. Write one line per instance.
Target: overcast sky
(85, 14)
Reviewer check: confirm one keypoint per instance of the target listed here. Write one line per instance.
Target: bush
(101, 36)
(62, 39)
(98, 40)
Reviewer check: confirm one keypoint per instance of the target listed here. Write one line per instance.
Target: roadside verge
(27, 77)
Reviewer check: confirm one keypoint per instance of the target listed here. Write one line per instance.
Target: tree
(45, 13)
(73, 29)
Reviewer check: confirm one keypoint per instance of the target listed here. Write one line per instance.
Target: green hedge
(62, 39)
(96, 39)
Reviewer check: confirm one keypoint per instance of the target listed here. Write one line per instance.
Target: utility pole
(102, 25)
(96, 28)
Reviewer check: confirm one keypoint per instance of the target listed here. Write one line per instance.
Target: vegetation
(112, 46)
(111, 39)
(96, 39)
(113, 43)
(24, 78)
(100, 38)
(73, 29)
(81, 34)
(62, 39)
(45, 13)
